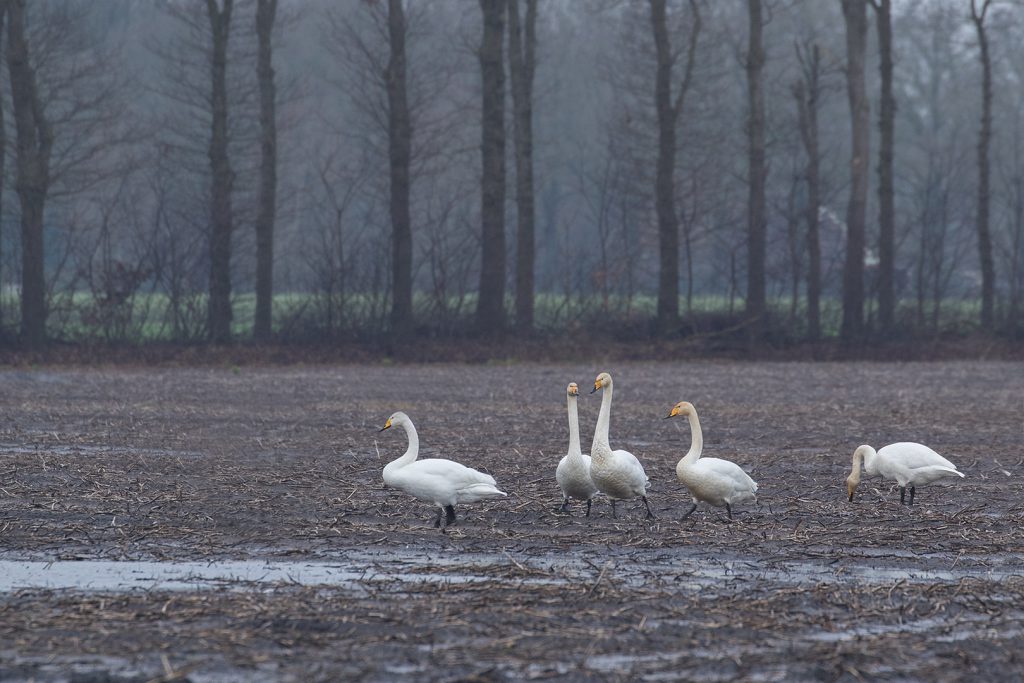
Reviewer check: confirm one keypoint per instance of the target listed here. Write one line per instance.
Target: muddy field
(231, 525)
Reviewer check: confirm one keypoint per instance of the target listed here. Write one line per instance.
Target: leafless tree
(808, 92)
(757, 172)
(886, 191)
(491, 302)
(266, 14)
(3, 165)
(855, 16)
(221, 176)
(34, 148)
(400, 152)
(669, 107)
(522, 37)
(988, 275)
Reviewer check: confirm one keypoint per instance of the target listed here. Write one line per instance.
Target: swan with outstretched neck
(617, 474)
(711, 480)
(907, 463)
(445, 483)
(573, 471)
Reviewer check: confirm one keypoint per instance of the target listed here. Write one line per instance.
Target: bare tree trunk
(808, 117)
(855, 15)
(266, 11)
(664, 188)
(756, 212)
(886, 208)
(34, 146)
(222, 178)
(988, 274)
(522, 61)
(3, 171)
(793, 242)
(399, 157)
(491, 304)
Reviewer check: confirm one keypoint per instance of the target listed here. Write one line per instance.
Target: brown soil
(283, 464)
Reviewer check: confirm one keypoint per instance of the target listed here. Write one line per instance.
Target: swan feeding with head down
(907, 463)
(573, 471)
(617, 474)
(712, 480)
(445, 483)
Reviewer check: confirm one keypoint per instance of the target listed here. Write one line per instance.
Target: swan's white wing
(445, 482)
(730, 471)
(717, 481)
(632, 470)
(913, 456)
(926, 475)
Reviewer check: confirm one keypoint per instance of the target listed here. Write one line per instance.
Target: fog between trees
(219, 170)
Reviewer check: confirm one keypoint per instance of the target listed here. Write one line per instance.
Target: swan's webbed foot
(565, 506)
(911, 495)
(589, 503)
(650, 515)
(689, 512)
(449, 514)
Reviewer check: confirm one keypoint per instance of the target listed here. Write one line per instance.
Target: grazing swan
(573, 472)
(617, 474)
(435, 480)
(906, 463)
(712, 480)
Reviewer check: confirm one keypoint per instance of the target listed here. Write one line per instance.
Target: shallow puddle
(119, 576)
(396, 570)
(8, 449)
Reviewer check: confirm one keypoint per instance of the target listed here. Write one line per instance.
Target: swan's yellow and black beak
(597, 385)
(387, 425)
(851, 488)
(574, 391)
(673, 413)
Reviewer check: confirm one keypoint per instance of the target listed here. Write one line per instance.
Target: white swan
(573, 471)
(435, 480)
(712, 480)
(907, 463)
(617, 474)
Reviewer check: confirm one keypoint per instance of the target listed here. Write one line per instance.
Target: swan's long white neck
(574, 426)
(412, 451)
(696, 440)
(865, 455)
(600, 448)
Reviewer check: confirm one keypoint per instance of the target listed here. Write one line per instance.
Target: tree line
(399, 168)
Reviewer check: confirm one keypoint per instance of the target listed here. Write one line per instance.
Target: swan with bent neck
(617, 474)
(712, 480)
(445, 483)
(573, 471)
(907, 463)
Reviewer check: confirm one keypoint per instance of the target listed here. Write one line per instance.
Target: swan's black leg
(911, 495)
(688, 513)
(650, 515)
(449, 514)
(589, 503)
(565, 505)
(903, 495)
(437, 520)
(613, 509)
(728, 508)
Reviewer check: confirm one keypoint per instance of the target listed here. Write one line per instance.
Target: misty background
(133, 194)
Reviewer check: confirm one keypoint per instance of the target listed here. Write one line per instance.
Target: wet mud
(231, 524)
